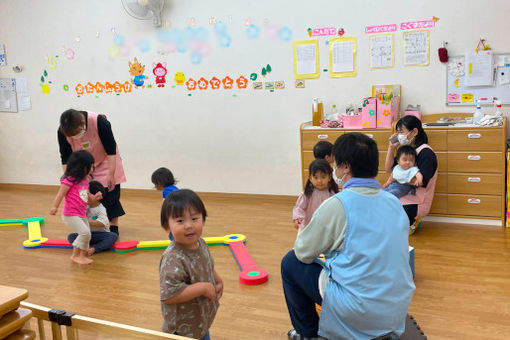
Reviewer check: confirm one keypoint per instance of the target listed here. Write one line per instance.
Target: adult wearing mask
(365, 284)
(85, 130)
(410, 132)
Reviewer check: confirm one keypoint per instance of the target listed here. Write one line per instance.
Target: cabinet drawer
(437, 139)
(441, 183)
(462, 183)
(381, 138)
(310, 138)
(476, 162)
(442, 161)
(476, 140)
(307, 159)
(439, 204)
(475, 205)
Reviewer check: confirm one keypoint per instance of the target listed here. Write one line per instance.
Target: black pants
(411, 211)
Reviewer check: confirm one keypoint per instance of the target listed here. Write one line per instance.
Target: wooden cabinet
(471, 164)
(310, 135)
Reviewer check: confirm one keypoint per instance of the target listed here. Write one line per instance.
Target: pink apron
(92, 143)
(423, 195)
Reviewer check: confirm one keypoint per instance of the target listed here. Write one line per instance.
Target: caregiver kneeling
(365, 284)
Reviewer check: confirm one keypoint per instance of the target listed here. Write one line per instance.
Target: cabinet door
(439, 204)
(476, 162)
(381, 137)
(441, 183)
(476, 140)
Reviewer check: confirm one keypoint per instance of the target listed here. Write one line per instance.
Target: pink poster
(380, 29)
(411, 25)
(453, 98)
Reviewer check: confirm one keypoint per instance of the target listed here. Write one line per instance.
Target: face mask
(338, 181)
(80, 134)
(402, 139)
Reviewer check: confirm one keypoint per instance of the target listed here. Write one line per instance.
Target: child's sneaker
(416, 225)
(294, 335)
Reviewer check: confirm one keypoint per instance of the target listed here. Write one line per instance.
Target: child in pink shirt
(319, 187)
(74, 189)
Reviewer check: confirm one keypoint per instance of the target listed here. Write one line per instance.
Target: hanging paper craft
(285, 34)
(136, 70)
(179, 78)
(416, 48)
(159, 70)
(342, 57)
(306, 59)
(227, 83)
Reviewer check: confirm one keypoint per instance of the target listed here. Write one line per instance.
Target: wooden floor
(462, 271)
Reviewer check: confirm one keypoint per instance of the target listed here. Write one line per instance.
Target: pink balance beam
(250, 274)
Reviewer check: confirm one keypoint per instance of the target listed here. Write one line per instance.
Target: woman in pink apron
(82, 130)
(410, 132)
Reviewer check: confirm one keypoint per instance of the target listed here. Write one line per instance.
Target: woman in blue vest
(365, 284)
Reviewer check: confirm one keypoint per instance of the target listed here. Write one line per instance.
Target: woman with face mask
(83, 130)
(365, 284)
(410, 132)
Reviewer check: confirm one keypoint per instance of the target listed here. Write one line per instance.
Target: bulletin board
(457, 93)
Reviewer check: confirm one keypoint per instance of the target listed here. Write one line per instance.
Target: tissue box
(368, 113)
(352, 122)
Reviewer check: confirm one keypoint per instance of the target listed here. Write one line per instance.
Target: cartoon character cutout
(159, 70)
(179, 78)
(136, 70)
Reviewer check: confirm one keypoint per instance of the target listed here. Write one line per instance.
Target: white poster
(306, 62)
(343, 56)
(479, 68)
(416, 48)
(381, 51)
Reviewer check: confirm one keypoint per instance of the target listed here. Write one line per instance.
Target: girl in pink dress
(74, 189)
(319, 187)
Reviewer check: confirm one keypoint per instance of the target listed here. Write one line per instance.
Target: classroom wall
(240, 140)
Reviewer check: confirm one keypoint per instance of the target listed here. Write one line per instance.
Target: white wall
(213, 141)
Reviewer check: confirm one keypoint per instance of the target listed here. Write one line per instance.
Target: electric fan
(145, 9)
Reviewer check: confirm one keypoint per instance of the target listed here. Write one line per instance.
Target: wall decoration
(227, 83)
(284, 34)
(300, 83)
(306, 59)
(252, 32)
(257, 85)
(279, 84)
(380, 29)
(416, 48)
(159, 70)
(114, 50)
(52, 62)
(45, 88)
(69, 54)
(3, 56)
(136, 70)
(215, 83)
(179, 78)
(310, 32)
(221, 31)
(324, 31)
(66, 87)
(381, 51)
(253, 76)
(412, 25)
(242, 82)
(269, 85)
(196, 58)
(266, 70)
(191, 84)
(107, 87)
(342, 57)
(119, 39)
(202, 84)
(144, 45)
(341, 32)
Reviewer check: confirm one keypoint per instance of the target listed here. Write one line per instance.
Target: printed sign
(380, 29)
(412, 25)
